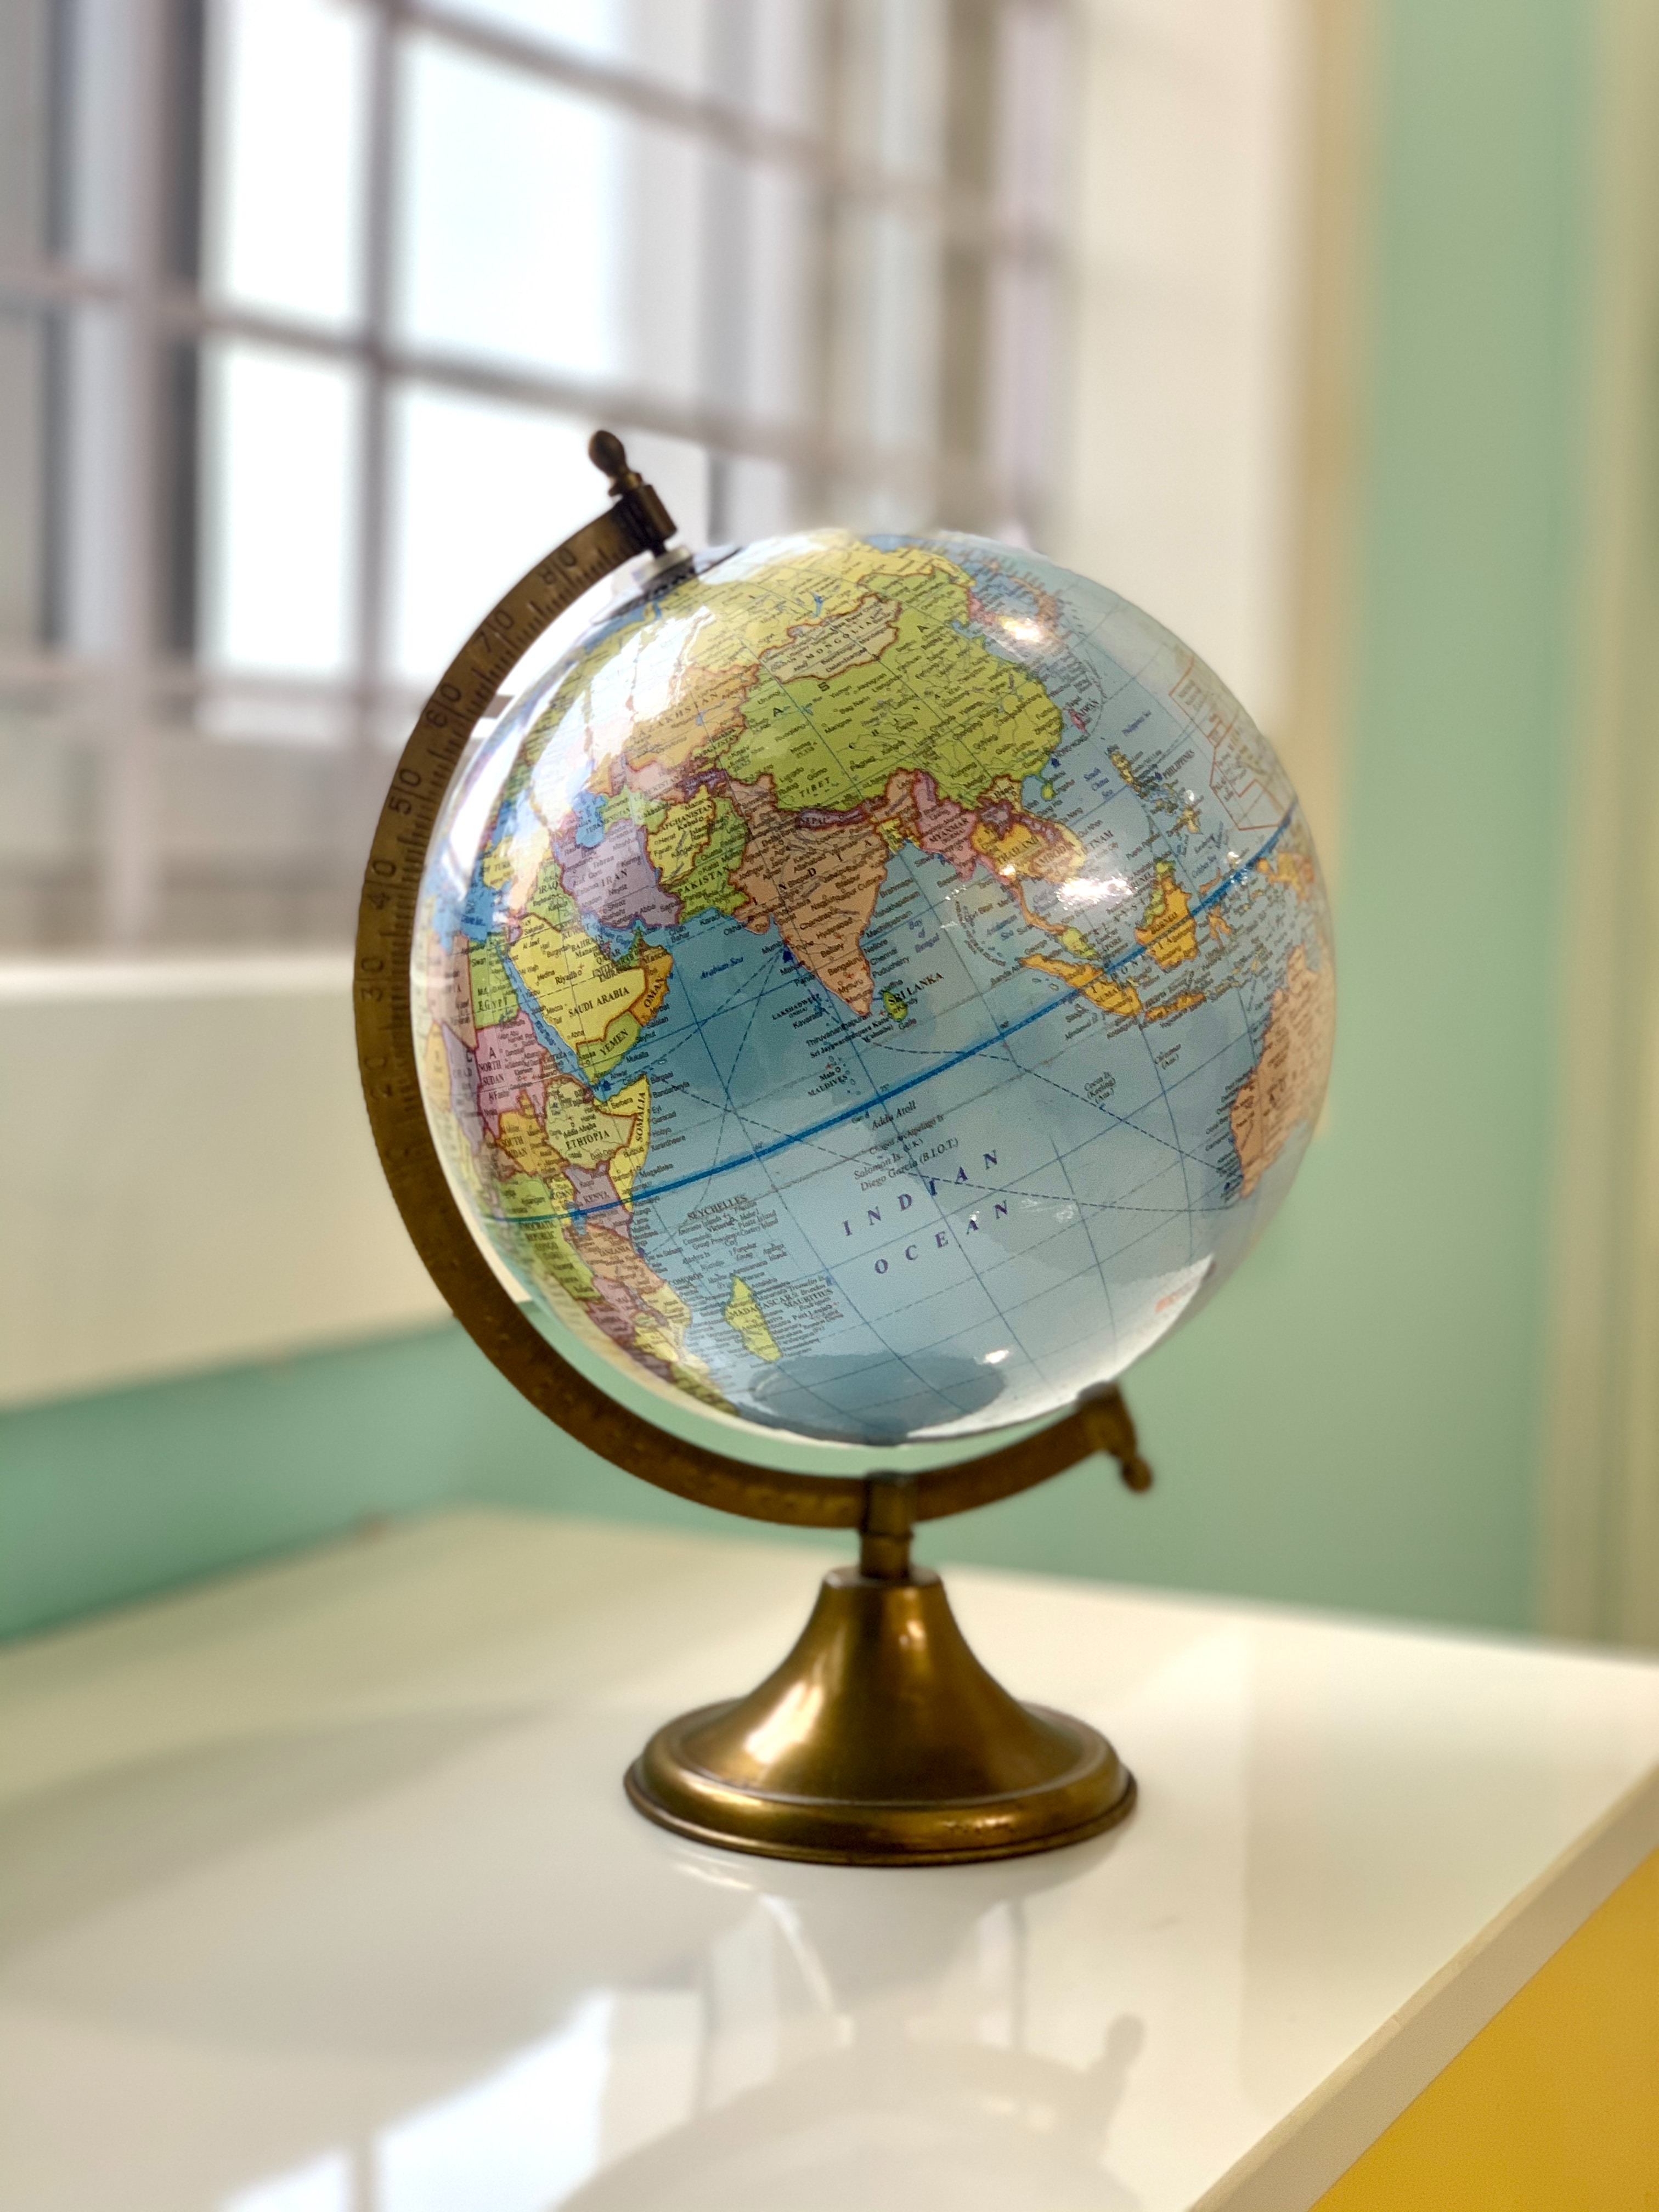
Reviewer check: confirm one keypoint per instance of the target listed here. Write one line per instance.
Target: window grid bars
(161, 311)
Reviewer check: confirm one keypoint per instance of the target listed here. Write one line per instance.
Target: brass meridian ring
(637, 523)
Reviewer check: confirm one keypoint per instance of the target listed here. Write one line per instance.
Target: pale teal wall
(1355, 1422)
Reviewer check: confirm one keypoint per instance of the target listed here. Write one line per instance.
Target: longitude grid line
(845, 1032)
(1103, 1207)
(1159, 1214)
(1085, 1208)
(981, 1275)
(784, 1143)
(969, 1052)
(962, 1246)
(782, 1196)
(1118, 1206)
(673, 1036)
(1186, 1185)
(1123, 1120)
(848, 1033)
(1171, 860)
(1188, 1075)
(765, 677)
(770, 986)
(853, 1043)
(850, 1036)
(1126, 1120)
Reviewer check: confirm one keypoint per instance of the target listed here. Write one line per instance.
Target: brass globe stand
(880, 1740)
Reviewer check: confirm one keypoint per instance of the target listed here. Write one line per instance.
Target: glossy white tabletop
(319, 1893)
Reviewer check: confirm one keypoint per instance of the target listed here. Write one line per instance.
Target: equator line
(758, 1152)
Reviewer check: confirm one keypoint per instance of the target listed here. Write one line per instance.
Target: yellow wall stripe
(1555, 2105)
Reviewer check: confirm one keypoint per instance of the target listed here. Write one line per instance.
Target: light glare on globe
(872, 987)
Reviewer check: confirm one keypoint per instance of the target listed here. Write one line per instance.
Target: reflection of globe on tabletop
(873, 987)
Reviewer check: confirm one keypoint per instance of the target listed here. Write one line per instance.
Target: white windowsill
(186, 1175)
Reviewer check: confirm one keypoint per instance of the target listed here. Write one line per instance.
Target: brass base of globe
(881, 1741)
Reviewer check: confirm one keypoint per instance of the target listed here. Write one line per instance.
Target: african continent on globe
(874, 987)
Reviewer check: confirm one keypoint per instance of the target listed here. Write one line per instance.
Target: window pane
(482, 490)
(898, 65)
(757, 501)
(1023, 314)
(286, 138)
(510, 200)
(97, 61)
(27, 71)
(24, 451)
(1030, 151)
(783, 80)
(904, 280)
(590, 261)
(661, 259)
(891, 392)
(96, 422)
(752, 54)
(279, 451)
(665, 40)
(549, 232)
(774, 306)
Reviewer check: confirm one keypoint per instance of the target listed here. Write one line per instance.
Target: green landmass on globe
(872, 987)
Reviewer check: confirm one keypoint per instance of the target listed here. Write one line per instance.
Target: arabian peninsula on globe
(873, 986)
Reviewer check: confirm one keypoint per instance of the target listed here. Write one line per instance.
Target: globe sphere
(872, 987)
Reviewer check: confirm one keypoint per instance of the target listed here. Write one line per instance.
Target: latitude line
(907, 1142)
(854, 1113)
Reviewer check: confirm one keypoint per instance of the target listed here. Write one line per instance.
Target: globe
(872, 987)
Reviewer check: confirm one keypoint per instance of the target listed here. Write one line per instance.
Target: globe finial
(606, 451)
(650, 516)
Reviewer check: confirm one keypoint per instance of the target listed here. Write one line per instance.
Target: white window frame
(124, 683)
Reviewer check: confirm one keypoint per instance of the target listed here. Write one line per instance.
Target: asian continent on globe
(873, 986)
